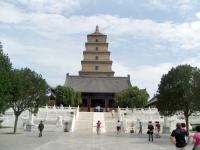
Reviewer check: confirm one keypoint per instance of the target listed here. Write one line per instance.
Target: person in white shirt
(113, 112)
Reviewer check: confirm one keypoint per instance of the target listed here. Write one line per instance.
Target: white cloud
(193, 61)
(56, 59)
(144, 76)
(159, 4)
(198, 15)
(181, 6)
(185, 35)
(10, 14)
(149, 76)
(48, 6)
(52, 60)
(185, 5)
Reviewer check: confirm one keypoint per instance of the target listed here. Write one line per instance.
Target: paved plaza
(58, 140)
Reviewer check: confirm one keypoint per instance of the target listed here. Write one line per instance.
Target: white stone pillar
(30, 118)
(165, 127)
(46, 112)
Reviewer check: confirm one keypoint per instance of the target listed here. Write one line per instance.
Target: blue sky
(146, 37)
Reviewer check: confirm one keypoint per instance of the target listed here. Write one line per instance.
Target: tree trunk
(187, 122)
(15, 125)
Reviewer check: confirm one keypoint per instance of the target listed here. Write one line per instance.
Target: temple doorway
(98, 102)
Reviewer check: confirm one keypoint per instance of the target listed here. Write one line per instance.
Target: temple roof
(97, 31)
(98, 84)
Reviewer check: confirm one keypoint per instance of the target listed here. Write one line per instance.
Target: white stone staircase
(99, 116)
(87, 122)
(110, 122)
(84, 123)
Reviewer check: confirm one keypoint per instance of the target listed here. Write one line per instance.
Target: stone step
(85, 115)
(84, 122)
(87, 122)
(99, 116)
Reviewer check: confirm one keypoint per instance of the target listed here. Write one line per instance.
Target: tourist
(196, 139)
(150, 131)
(183, 126)
(98, 127)
(140, 128)
(118, 127)
(132, 127)
(59, 121)
(178, 137)
(40, 128)
(157, 129)
(113, 113)
(98, 108)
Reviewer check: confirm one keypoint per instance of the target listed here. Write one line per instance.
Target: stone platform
(58, 140)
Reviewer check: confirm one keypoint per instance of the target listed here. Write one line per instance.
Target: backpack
(150, 127)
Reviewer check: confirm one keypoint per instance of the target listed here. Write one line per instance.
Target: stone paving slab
(58, 140)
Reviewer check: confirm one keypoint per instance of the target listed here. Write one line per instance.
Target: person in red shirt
(158, 129)
(196, 139)
(183, 126)
(98, 127)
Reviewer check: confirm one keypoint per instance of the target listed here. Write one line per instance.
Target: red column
(89, 103)
(106, 104)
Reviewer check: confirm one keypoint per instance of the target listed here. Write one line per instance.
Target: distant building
(96, 80)
(152, 102)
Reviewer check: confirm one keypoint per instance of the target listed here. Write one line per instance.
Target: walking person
(178, 137)
(40, 128)
(196, 139)
(98, 127)
(140, 128)
(157, 129)
(132, 127)
(112, 112)
(150, 131)
(183, 126)
(118, 127)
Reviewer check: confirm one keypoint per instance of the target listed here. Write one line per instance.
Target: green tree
(179, 91)
(67, 96)
(28, 92)
(132, 97)
(5, 73)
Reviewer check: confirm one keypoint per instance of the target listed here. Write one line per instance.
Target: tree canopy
(5, 73)
(28, 92)
(67, 96)
(20, 89)
(179, 91)
(132, 97)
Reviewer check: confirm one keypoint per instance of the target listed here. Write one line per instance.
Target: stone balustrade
(50, 115)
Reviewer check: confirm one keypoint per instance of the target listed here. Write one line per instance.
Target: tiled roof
(98, 84)
(97, 34)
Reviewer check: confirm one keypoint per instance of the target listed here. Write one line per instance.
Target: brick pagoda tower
(96, 80)
(96, 61)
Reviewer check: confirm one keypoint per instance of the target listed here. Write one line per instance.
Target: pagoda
(96, 60)
(96, 80)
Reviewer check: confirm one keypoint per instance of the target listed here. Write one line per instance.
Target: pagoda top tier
(96, 32)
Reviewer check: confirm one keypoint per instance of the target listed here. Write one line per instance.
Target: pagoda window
(96, 67)
(97, 48)
(96, 57)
